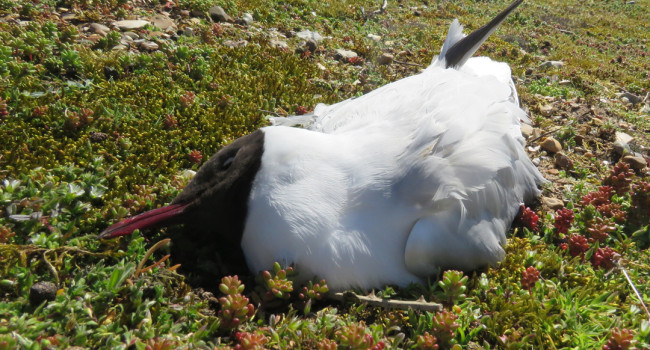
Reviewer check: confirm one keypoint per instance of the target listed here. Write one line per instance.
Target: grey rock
(385, 58)
(374, 37)
(188, 31)
(526, 131)
(553, 203)
(130, 24)
(148, 46)
(42, 291)
(551, 145)
(120, 47)
(278, 43)
(231, 43)
(247, 18)
(629, 98)
(163, 22)
(563, 162)
(99, 28)
(311, 45)
(309, 35)
(94, 37)
(619, 148)
(70, 16)
(547, 110)
(131, 36)
(344, 54)
(218, 14)
(98, 136)
(635, 162)
(551, 64)
(645, 109)
(623, 137)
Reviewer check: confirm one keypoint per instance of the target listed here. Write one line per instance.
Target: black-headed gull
(422, 174)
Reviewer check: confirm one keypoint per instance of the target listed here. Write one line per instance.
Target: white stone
(374, 37)
(307, 35)
(552, 64)
(343, 54)
(130, 24)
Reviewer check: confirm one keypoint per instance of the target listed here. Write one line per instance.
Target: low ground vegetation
(98, 123)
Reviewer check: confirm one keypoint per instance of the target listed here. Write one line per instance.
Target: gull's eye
(227, 162)
(228, 158)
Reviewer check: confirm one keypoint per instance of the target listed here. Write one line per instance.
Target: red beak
(151, 218)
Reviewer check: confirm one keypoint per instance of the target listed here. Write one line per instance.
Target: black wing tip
(465, 48)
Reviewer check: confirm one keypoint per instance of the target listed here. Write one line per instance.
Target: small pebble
(278, 43)
(40, 292)
(619, 148)
(99, 28)
(311, 45)
(551, 145)
(385, 58)
(218, 14)
(553, 203)
(69, 16)
(551, 64)
(344, 54)
(148, 46)
(97, 136)
(131, 35)
(120, 47)
(307, 34)
(635, 162)
(526, 131)
(374, 37)
(247, 18)
(563, 162)
(546, 110)
(233, 44)
(623, 137)
(130, 24)
(163, 22)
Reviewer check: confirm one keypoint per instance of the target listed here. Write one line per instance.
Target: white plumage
(424, 173)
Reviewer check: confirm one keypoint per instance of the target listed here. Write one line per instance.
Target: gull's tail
(458, 48)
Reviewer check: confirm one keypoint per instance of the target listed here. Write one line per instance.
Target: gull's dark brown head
(215, 200)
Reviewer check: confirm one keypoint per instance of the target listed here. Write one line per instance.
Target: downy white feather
(424, 173)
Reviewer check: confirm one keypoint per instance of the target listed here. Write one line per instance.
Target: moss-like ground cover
(90, 134)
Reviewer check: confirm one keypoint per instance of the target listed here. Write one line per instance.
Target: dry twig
(373, 300)
(155, 247)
